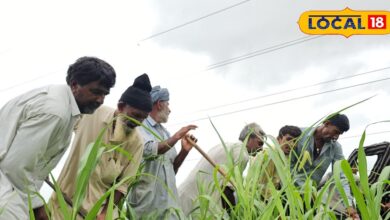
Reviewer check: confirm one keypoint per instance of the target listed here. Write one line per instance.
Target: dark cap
(138, 95)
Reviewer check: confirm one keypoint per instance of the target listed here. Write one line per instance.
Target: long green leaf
(361, 203)
(30, 208)
(60, 199)
(85, 171)
(362, 165)
(110, 208)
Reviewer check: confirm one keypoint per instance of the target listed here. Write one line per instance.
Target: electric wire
(284, 101)
(192, 21)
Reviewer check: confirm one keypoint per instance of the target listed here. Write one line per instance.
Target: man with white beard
(155, 195)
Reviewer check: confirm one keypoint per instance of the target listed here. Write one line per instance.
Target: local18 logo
(346, 22)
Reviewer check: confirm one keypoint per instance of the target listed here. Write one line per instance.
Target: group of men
(37, 128)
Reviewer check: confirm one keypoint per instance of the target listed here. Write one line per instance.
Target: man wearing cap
(113, 166)
(155, 196)
(203, 172)
(322, 146)
(36, 129)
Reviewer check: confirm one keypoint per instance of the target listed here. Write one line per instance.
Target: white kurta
(203, 174)
(35, 131)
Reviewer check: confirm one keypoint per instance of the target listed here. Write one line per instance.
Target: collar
(151, 121)
(73, 103)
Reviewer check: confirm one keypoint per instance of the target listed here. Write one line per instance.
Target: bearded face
(131, 112)
(90, 96)
(164, 112)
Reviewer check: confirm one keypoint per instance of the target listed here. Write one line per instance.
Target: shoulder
(104, 112)
(53, 99)
(307, 133)
(336, 145)
(103, 115)
(136, 137)
(239, 150)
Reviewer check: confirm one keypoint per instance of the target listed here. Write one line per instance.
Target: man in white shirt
(36, 130)
(234, 155)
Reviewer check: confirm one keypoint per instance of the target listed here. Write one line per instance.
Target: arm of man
(186, 146)
(153, 147)
(24, 163)
(164, 146)
(351, 211)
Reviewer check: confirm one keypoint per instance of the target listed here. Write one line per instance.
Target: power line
(28, 81)
(213, 66)
(295, 89)
(257, 53)
(367, 134)
(193, 21)
(286, 100)
(261, 52)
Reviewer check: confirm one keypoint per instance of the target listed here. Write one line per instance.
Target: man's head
(332, 128)
(287, 138)
(136, 101)
(256, 137)
(160, 99)
(90, 80)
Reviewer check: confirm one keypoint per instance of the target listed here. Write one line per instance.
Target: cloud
(256, 25)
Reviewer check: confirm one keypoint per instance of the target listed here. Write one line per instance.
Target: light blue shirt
(330, 153)
(156, 192)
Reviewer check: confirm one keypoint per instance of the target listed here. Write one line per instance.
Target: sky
(226, 62)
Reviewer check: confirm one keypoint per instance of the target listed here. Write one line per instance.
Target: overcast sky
(252, 49)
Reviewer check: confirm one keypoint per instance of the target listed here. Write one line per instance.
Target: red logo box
(377, 22)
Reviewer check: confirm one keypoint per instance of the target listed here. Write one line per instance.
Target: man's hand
(40, 213)
(352, 213)
(183, 131)
(386, 206)
(185, 144)
(164, 146)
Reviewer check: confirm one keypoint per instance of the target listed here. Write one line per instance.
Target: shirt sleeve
(150, 144)
(25, 159)
(132, 167)
(150, 148)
